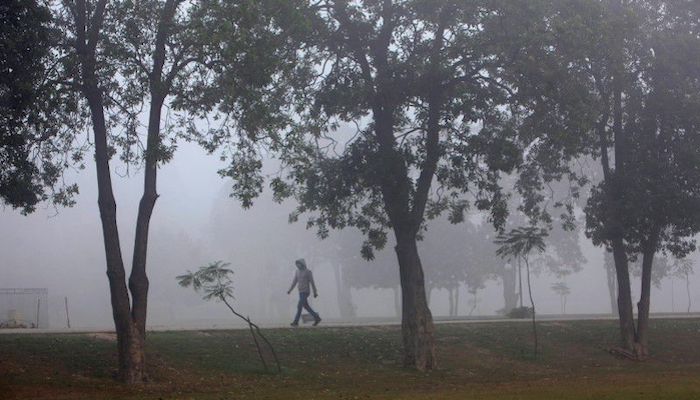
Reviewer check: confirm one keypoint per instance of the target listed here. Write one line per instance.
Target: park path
(334, 323)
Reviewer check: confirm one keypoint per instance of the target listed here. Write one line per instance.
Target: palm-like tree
(518, 244)
(216, 283)
(682, 268)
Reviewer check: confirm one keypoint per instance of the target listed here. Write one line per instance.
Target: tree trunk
(673, 297)
(130, 344)
(132, 355)
(130, 340)
(450, 300)
(564, 308)
(561, 303)
(687, 289)
(138, 280)
(520, 282)
(624, 297)
(397, 301)
(615, 187)
(129, 314)
(457, 300)
(416, 320)
(429, 294)
(609, 265)
(158, 88)
(405, 207)
(475, 302)
(642, 348)
(510, 298)
(532, 302)
(343, 294)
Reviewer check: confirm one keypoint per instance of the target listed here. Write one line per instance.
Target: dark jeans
(304, 303)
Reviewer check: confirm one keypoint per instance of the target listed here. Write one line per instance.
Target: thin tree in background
(682, 268)
(519, 243)
(562, 289)
(611, 279)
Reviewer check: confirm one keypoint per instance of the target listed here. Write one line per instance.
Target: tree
(662, 268)
(519, 243)
(100, 47)
(412, 77)
(36, 129)
(123, 57)
(377, 273)
(665, 267)
(340, 252)
(216, 283)
(648, 202)
(480, 261)
(502, 268)
(508, 274)
(460, 254)
(562, 255)
(682, 268)
(562, 290)
(447, 255)
(616, 80)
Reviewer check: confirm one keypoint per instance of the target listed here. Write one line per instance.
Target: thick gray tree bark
(644, 304)
(416, 318)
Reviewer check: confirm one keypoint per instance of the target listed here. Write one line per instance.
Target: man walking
(304, 278)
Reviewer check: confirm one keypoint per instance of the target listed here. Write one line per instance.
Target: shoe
(317, 321)
(295, 324)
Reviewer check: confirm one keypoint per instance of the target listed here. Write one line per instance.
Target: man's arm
(313, 284)
(294, 283)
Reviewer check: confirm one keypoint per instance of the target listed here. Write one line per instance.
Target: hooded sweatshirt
(304, 278)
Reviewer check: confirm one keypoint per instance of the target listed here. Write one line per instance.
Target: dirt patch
(9, 367)
(106, 336)
(556, 324)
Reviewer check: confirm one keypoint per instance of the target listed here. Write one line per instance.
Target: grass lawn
(476, 361)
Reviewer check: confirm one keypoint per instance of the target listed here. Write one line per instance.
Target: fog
(195, 222)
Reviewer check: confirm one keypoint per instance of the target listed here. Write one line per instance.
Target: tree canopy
(379, 75)
(617, 80)
(37, 123)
